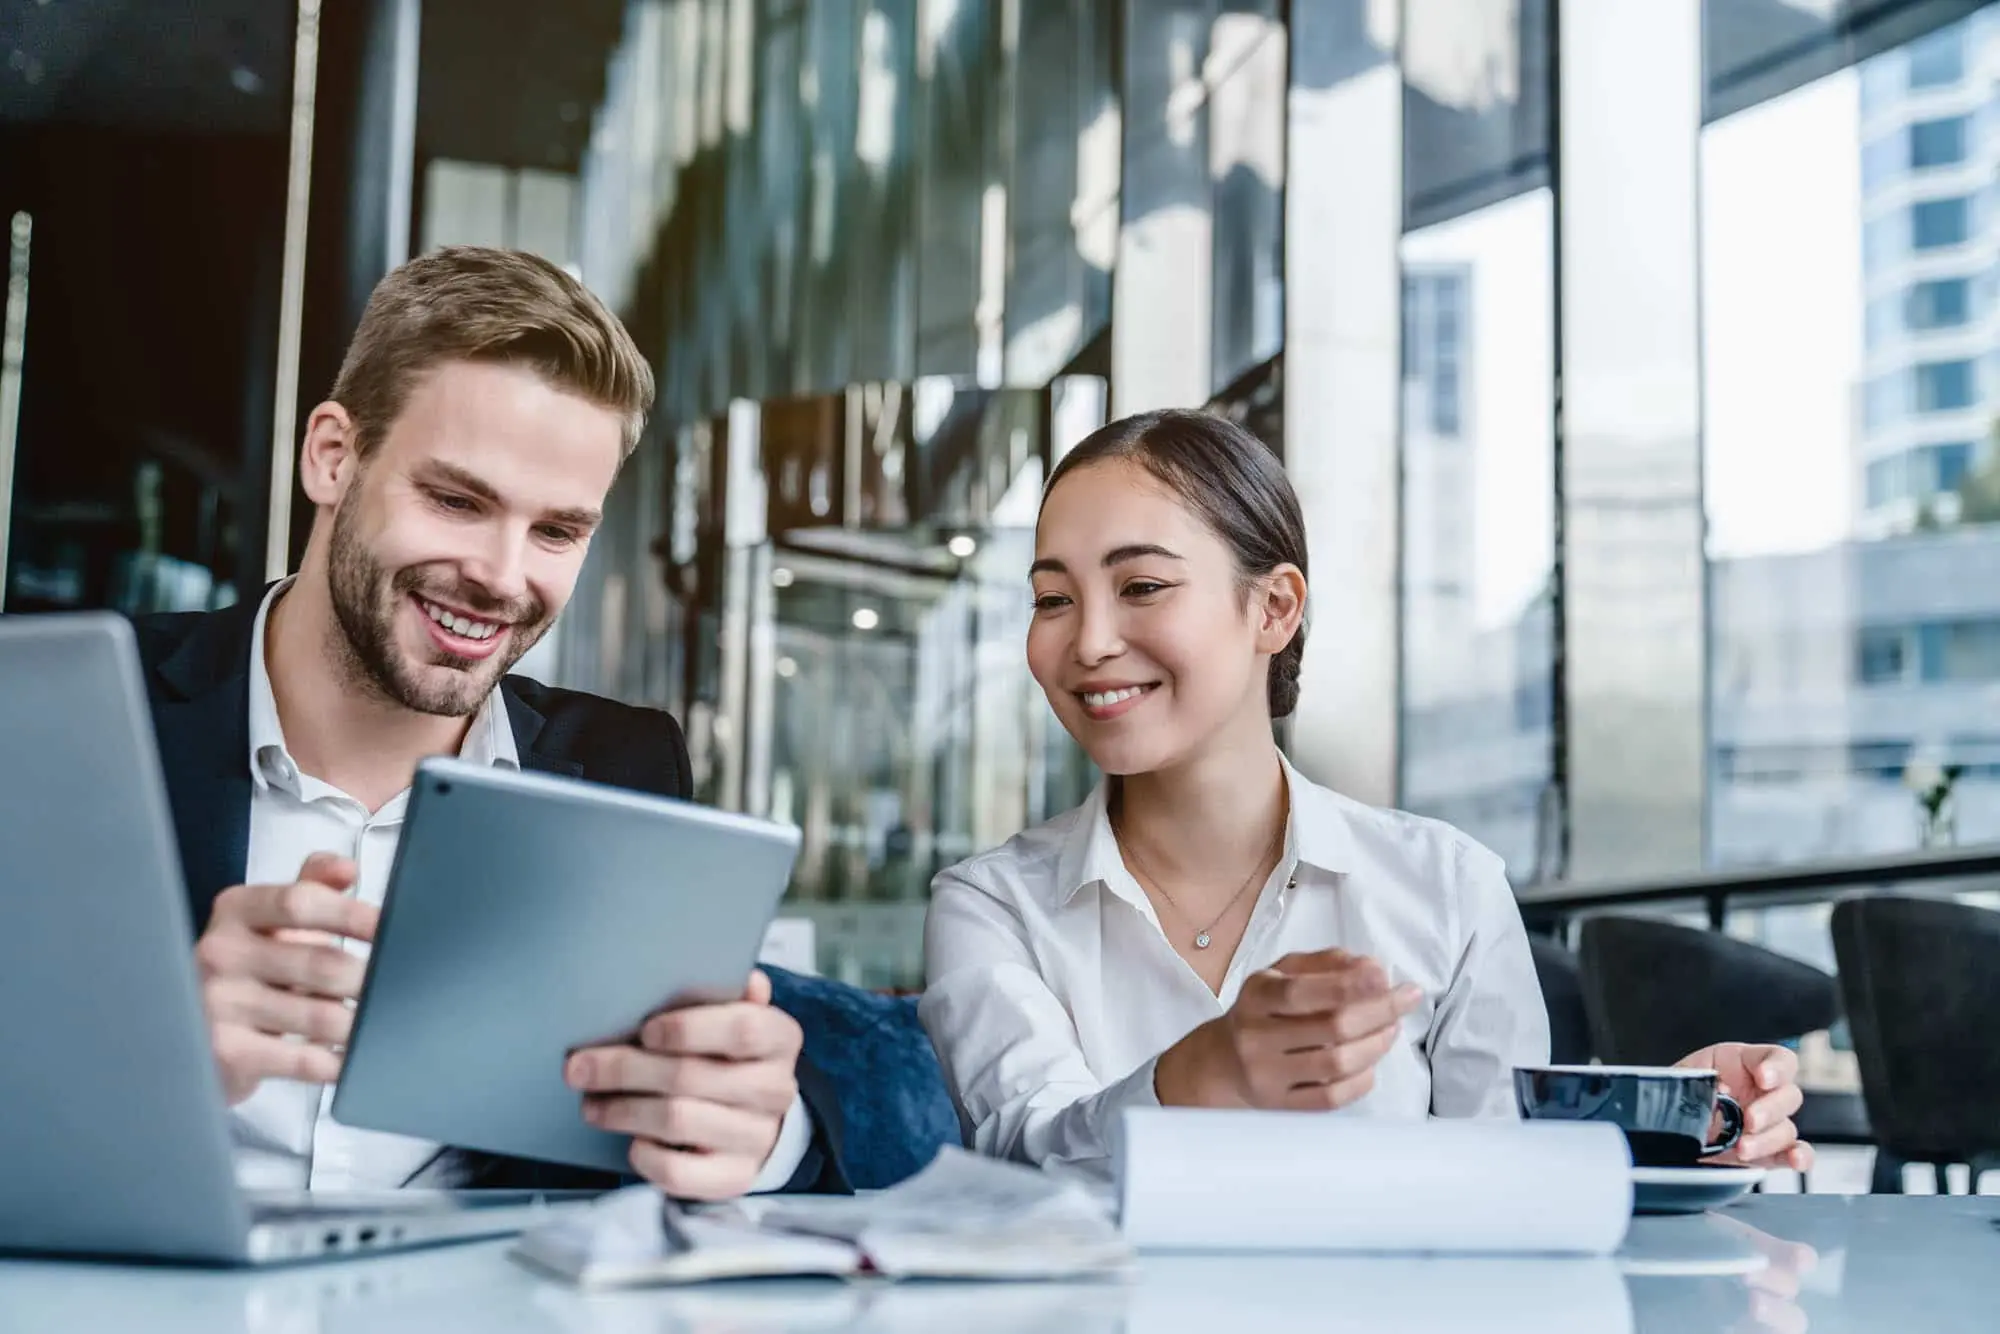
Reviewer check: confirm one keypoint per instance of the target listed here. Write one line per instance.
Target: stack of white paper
(1288, 1181)
(962, 1217)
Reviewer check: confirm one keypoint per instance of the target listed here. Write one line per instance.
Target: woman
(1211, 929)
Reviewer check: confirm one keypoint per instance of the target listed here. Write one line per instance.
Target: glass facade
(143, 220)
(1638, 367)
(1849, 400)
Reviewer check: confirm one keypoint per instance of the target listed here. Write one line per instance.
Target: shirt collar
(490, 741)
(1316, 835)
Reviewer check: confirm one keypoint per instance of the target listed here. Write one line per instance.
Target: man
(457, 472)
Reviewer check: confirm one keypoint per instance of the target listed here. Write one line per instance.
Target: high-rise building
(1475, 692)
(1439, 475)
(1930, 384)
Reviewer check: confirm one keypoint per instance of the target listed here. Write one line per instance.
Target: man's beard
(365, 602)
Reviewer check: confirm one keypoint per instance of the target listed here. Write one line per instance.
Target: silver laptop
(113, 1128)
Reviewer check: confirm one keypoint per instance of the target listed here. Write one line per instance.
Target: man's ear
(329, 459)
(1281, 606)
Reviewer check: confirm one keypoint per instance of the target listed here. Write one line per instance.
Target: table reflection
(1784, 1264)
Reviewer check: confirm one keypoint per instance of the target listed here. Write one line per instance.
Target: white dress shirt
(1052, 990)
(284, 1137)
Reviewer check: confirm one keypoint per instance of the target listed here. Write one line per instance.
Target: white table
(1788, 1263)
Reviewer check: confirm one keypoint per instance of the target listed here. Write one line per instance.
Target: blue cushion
(895, 1112)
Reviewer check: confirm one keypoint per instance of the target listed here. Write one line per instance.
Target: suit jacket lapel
(202, 717)
(528, 723)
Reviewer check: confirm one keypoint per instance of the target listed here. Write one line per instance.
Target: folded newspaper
(964, 1216)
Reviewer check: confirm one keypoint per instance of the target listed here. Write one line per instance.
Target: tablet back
(527, 916)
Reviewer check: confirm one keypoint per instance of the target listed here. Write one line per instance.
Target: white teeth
(458, 625)
(1104, 699)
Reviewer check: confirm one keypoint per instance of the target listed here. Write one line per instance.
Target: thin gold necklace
(1202, 936)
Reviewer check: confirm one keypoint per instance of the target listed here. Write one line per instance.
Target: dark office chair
(1656, 991)
(1921, 979)
(1562, 992)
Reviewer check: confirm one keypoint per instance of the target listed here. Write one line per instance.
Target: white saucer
(1689, 1190)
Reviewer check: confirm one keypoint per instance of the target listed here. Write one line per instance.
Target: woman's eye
(1050, 602)
(1143, 588)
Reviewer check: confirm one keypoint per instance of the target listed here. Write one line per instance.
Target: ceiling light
(962, 546)
(781, 578)
(787, 668)
(865, 618)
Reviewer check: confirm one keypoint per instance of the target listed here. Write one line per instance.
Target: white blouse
(1052, 990)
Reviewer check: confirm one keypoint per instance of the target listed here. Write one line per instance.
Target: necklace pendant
(1201, 941)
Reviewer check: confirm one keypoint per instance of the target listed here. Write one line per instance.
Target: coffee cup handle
(1732, 1126)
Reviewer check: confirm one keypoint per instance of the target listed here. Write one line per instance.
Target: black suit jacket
(197, 669)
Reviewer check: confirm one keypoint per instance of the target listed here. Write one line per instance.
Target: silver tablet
(527, 916)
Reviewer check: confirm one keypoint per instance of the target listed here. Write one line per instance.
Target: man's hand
(273, 972)
(1304, 1034)
(703, 1094)
(1764, 1082)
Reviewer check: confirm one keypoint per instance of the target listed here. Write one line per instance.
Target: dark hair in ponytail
(1235, 482)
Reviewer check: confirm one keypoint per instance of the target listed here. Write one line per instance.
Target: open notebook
(962, 1217)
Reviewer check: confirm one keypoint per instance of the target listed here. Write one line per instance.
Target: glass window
(1937, 143)
(1878, 759)
(1879, 657)
(1885, 320)
(1972, 650)
(1888, 480)
(1064, 173)
(1940, 222)
(1883, 80)
(1433, 315)
(1246, 161)
(1931, 636)
(1944, 303)
(1964, 650)
(1885, 159)
(1446, 388)
(140, 229)
(1832, 568)
(1938, 59)
(1886, 400)
(1478, 525)
(1942, 386)
(1885, 239)
(1953, 462)
(1475, 104)
(957, 86)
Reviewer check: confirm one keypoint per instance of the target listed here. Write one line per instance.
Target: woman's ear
(1281, 607)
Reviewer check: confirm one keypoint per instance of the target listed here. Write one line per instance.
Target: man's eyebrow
(461, 478)
(575, 516)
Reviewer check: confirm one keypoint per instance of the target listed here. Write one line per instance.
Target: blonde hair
(476, 303)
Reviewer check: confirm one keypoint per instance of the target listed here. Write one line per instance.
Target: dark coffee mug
(1664, 1111)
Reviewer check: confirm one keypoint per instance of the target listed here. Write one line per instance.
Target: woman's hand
(1764, 1081)
(1304, 1034)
